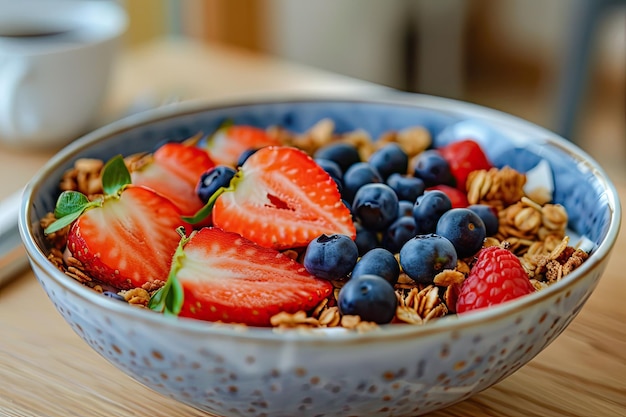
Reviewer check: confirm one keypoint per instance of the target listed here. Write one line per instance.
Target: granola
(84, 177)
(496, 187)
(425, 303)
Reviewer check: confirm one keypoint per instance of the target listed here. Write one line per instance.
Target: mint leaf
(69, 202)
(170, 297)
(70, 205)
(115, 176)
(62, 222)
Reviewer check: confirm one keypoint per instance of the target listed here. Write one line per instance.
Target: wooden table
(46, 370)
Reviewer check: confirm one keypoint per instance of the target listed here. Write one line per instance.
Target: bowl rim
(455, 324)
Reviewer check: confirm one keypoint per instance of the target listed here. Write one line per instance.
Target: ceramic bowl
(400, 370)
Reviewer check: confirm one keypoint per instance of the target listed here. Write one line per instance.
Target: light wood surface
(46, 370)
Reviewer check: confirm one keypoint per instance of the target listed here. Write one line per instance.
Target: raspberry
(496, 277)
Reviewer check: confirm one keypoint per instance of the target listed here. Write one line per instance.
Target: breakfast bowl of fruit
(320, 256)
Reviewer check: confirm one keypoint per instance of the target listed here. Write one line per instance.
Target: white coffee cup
(56, 59)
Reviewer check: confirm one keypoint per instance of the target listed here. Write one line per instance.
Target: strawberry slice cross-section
(127, 241)
(229, 142)
(124, 238)
(282, 198)
(173, 171)
(226, 277)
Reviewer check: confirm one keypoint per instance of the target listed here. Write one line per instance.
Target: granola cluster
(412, 140)
(534, 231)
(323, 316)
(417, 306)
(84, 177)
(529, 225)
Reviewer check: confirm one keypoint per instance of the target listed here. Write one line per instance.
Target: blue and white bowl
(399, 370)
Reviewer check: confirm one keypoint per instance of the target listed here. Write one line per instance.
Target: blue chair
(573, 85)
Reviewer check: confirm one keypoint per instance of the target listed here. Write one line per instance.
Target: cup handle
(13, 76)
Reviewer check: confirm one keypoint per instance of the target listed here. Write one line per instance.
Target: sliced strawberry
(282, 199)
(127, 241)
(228, 143)
(456, 196)
(464, 157)
(228, 278)
(174, 171)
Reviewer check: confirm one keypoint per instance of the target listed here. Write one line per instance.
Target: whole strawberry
(496, 277)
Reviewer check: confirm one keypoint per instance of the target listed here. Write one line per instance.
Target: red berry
(173, 171)
(128, 241)
(457, 197)
(464, 157)
(282, 199)
(226, 277)
(496, 277)
(228, 143)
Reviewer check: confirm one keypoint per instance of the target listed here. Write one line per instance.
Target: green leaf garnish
(115, 176)
(69, 202)
(170, 297)
(70, 205)
(206, 210)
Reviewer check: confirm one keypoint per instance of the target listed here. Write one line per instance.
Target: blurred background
(558, 63)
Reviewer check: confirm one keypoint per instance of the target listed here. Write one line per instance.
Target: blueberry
(357, 176)
(464, 229)
(245, 155)
(433, 169)
(333, 170)
(370, 297)
(339, 185)
(366, 240)
(331, 167)
(348, 205)
(398, 233)
(212, 180)
(488, 215)
(424, 256)
(114, 295)
(375, 206)
(406, 187)
(389, 159)
(378, 261)
(343, 154)
(405, 208)
(428, 209)
(331, 256)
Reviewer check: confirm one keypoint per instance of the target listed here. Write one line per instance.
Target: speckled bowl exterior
(400, 370)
